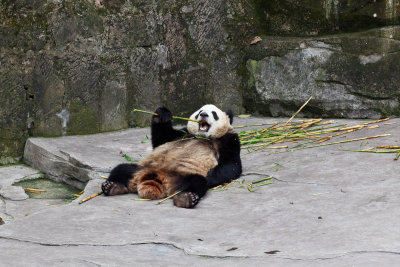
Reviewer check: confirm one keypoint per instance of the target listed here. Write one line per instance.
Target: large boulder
(350, 75)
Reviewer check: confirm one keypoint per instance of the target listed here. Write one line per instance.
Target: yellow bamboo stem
(294, 115)
(90, 197)
(324, 140)
(174, 117)
(171, 196)
(34, 190)
(373, 127)
(345, 141)
(389, 147)
(376, 121)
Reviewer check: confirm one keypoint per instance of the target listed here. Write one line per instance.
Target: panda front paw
(163, 115)
(186, 200)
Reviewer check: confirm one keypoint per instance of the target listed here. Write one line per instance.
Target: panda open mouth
(204, 126)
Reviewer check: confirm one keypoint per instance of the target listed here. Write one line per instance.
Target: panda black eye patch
(215, 115)
(198, 114)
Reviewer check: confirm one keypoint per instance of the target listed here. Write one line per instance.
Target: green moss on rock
(11, 145)
(83, 119)
(253, 66)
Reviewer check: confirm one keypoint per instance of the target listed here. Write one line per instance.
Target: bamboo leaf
(146, 140)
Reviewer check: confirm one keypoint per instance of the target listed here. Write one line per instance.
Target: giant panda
(191, 160)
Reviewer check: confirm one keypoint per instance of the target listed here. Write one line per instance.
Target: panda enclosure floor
(326, 207)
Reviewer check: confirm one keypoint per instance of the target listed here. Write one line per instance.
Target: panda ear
(230, 115)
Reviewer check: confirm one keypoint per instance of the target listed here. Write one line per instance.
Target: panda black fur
(181, 160)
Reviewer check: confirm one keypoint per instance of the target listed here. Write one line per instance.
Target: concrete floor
(326, 207)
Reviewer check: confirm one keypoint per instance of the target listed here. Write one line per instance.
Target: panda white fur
(190, 160)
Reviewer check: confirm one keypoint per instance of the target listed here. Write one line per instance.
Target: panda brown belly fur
(162, 170)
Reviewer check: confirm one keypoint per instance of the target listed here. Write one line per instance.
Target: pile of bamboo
(302, 134)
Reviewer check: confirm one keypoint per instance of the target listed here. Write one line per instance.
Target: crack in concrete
(205, 255)
(342, 255)
(5, 208)
(123, 245)
(90, 262)
(284, 181)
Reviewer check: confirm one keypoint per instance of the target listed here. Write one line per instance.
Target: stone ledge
(12, 174)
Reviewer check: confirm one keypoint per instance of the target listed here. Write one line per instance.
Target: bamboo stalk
(90, 197)
(294, 115)
(324, 140)
(174, 117)
(372, 151)
(397, 156)
(345, 141)
(171, 196)
(345, 132)
(216, 187)
(373, 127)
(389, 147)
(354, 127)
(309, 123)
(277, 147)
(267, 144)
(299, 130)
(258, 185)
(327, 122)
(262, 180)
(253, 125)
(376, 121)
(34, 190)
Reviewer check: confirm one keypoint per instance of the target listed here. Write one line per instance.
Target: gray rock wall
(319, 17)
(343, 53)
(350, 75)
(82, 66)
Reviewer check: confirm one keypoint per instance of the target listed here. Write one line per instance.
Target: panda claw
(111, 188)
(186, 200)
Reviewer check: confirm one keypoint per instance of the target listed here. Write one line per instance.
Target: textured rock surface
(79, 67)
(350, 75)
(325, 207)
(317, 17)
(77, 159)
(82, 66)
(13, 174)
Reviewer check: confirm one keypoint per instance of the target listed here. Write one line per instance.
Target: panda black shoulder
(230, 141)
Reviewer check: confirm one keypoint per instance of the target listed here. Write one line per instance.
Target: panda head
(213, 122)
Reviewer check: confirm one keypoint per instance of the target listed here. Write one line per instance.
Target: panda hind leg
(149, 184)
(117, 182)
(113, 188)
(194, 188)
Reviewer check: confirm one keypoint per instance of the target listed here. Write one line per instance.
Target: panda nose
(204, 115)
